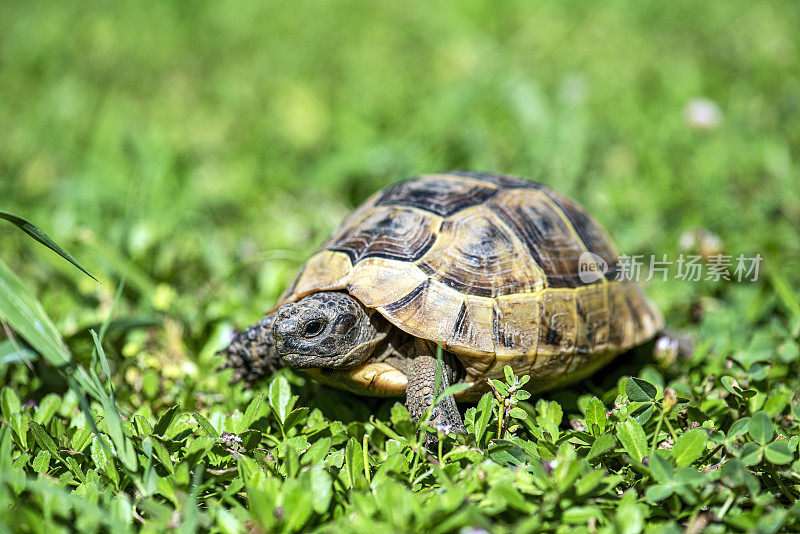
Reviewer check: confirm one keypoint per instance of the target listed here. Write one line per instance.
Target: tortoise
(495, 269)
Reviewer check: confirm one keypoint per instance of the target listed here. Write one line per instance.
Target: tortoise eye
(313, 328)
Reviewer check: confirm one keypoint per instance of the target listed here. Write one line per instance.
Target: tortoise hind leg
(420, 390)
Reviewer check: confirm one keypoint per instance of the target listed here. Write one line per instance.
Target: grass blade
(26, 316)
(34, 231)
(12, 353)
(113, 419)
(784, 291)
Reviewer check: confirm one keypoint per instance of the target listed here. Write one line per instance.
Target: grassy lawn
(191, 155)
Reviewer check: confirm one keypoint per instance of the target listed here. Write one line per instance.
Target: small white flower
(666, 350)
(702, 114)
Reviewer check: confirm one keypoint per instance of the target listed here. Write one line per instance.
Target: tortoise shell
(486, 266)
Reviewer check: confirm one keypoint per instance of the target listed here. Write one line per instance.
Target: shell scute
(388, 232)
(622, 326)
(547, 236)
(475, 253)
(396, 278)
(429, 311)
(559, 325)
(473, 326)
(433, 194)
(590, 233)
(506, 181)
(592, 319)
(326, 270)
(516, 324)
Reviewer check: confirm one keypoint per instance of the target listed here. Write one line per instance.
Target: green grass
(201, 151)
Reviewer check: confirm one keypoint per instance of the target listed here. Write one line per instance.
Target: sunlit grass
(202, 151)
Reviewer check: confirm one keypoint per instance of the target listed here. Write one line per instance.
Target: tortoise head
(330, 330)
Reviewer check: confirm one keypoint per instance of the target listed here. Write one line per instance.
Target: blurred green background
(207, 147)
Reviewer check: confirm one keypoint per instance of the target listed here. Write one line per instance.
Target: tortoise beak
(299, 361)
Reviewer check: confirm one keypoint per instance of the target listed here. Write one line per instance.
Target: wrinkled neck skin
(371, 342)
(329, 330)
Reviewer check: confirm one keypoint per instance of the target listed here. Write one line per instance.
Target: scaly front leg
(420, 392)
(251, 354)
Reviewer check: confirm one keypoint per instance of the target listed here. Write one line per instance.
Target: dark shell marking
(545, 233)
(500, 180)
(389, 232)
(442, 197)
(410, 299)
(589, 232)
